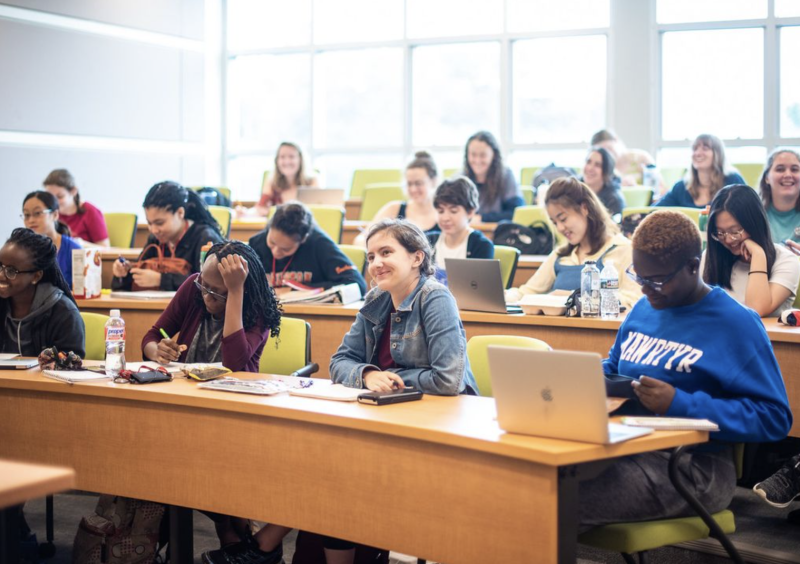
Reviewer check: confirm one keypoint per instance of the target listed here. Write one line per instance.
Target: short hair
(570, 192)
(410, 237)
(423, 160)
(293, 219)
(668, 235)
(602, 136)
(766, 189)
(459, 191)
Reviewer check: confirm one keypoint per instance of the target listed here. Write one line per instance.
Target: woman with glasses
(741, 257)
(40, 214)
(85, 221)
(682, 348)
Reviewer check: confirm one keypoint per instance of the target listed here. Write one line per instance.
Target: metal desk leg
(9, 535)
(181, 531)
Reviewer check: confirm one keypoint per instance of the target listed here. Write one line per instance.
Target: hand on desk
(145, 278)
(378, 381)
(654, 394)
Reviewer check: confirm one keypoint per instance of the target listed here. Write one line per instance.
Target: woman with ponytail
(179, 225)
(36, 304)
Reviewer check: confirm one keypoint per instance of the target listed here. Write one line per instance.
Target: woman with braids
(180, 225)
(483, 164)
(84, 220)
(36, 304)
(40, 213)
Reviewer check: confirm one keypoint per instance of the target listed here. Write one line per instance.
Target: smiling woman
(780, 192)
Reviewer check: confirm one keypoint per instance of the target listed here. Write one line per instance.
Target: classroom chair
(223, 215)
(330, 219)
(508, 257)
(358, 255)
(451, 172)
(121, 229)
(797, 296)
(264, 179)
(376, 196)
(632, 210)
(671, 175)
(362, 177)
(95, 326)
(527, 174)
(691, 213)
(292, 350)
(527, 194)
(637, 196)
(478, 354)
(751, 172)
(528, 215)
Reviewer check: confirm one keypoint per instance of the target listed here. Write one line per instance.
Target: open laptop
(321, 196)
(554, 394)
(477, 285)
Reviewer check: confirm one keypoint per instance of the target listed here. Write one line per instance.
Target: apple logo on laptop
(473, 284)
(547, 394)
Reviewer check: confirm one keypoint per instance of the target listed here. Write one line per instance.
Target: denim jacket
(428, 342)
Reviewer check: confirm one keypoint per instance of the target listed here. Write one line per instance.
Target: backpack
(213, 197)
(536, 239)
(550, 173)
(122, 530)
(630, 223)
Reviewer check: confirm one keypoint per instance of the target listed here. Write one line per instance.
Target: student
(598, 174)
(180, 225)
(36, 304)
(456, 201)
(780, 192)
(706, 176)
(582, 219)
(286, 179)
(685, 341)
(292, 247)
(421, 177)
(741, 257)
(783, 487)
(40, 214)
(483, 164)
(630, 163)
(85, 222)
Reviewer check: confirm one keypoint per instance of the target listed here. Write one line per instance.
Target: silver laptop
(321, 196)
(477, 285)
(554, 394)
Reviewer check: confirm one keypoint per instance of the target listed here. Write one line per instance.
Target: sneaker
(245, 552)
(783, 487)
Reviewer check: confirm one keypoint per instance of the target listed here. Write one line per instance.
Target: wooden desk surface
(21, 481)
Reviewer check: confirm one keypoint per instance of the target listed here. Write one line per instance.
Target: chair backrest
(357, 255)
(691, 213)
(95, 326)
(632, 210)
(225, 191)
(330, 219)
(375, 197)
(751, 172)
(637, 196)
(451, 172)
(527, 215)
(797, 297)
(527, 194)
(223, 216)
(121, 229)
(478, 354)
(670, 175)
(293, 349)
(526, 175)
(362, 177)
(508, 257)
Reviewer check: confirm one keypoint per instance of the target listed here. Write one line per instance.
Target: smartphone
(395, 396)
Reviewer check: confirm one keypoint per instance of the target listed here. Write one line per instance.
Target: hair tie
(758, 272)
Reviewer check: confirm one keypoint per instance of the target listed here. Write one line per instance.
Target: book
(144, 295)
(72, 376)
(342, 294)
(671, 423)
(328, 391)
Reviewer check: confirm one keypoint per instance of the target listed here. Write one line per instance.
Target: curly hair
(570, 192)
(260, 304)
(410, 237)
(667, 234)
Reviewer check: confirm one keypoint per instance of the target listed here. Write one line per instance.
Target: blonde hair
(718, 167)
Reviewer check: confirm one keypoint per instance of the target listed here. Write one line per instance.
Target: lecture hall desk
(435, 478)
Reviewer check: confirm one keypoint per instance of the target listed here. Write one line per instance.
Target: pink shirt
(89, 225)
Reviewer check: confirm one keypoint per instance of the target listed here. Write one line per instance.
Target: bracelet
(758, 272)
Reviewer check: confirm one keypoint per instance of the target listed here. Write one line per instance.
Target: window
(546, 15)
(790, 82)
(447, 18)
(351, 21)
(682, 11)
(255, 24)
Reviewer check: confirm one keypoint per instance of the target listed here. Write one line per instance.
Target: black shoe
(783, 487)
(245, 552)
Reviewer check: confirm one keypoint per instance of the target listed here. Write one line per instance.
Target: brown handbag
(162, 264)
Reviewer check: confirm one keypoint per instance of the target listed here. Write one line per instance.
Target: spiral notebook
(72, 376)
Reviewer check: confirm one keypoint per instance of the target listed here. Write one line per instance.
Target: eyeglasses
(34, 215)
(733, 235)
(657, 286)
(10, 272)
(205, 291)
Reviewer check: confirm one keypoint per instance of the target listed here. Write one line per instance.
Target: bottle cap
(114, 313)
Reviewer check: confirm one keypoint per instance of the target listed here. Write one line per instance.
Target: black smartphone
(395, 396)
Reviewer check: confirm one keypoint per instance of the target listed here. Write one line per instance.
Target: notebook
(477, 285)
(328, 391)
(144, 295)
(73, 376)
(18, 363)
(671, 423)
(554, 394)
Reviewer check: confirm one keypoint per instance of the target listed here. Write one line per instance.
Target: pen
(164, 333)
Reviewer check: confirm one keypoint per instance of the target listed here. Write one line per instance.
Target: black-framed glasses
(10, 272)
(205, 291)
(657, 286)
(734, 235)
(35, 215)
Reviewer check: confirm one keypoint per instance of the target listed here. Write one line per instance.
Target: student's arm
(388, 211)
(65, 329)
(482, 248)
(540, 283)
(350, 360)
(123, 279)
(336, 267)
(154, 345)
(761, 295)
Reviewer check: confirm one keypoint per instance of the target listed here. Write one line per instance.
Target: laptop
(18, 363)
(321, 196)
(477, 285)
(554, 394)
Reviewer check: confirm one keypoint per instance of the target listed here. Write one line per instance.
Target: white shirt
(442, 251)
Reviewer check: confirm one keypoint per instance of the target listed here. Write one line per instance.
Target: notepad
(72, 376)
(144, 295)
(335, 392)
(671, 423)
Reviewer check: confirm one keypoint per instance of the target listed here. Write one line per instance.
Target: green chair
(797, 297)
(527, 195)
(478, 354)
(691, 213)
(670, 175)
(451, 172)
(377, 196)
(291, 353)
(526, 175)
(751, 172)
(508, 257)
(223, 215)
(637, 196)
(121, 229)
(95, 327)
(362, 177)
(632, 210)
(330, 219)
(357, 255)
(528, 215)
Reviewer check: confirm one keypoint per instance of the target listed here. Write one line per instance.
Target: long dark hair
(494, 176)
(743, 203)
(608, 164)
(63, 178)
(51, 203)
(260, 305)
(170, 196)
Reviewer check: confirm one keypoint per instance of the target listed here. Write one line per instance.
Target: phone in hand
(395, 396)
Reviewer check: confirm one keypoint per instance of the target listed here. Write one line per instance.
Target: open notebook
(73, 376)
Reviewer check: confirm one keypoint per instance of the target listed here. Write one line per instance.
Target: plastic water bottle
(609, 291)
(702, 223)
(590, 290)
(650, 177)
(115, 344)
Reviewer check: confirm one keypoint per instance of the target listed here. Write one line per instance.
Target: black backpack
(630, 223)
(213, 197)
(536, 239)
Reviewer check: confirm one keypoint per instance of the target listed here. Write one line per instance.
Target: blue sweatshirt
(679, 195)
(717, 355)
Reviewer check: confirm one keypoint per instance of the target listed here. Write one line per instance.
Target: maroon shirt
(385, 360)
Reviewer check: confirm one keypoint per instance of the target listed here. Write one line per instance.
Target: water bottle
(115, 344)
(702, 223)
(609, 291)
(590, 290)
(650, 177)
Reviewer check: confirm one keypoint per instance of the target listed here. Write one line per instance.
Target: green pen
(164, 333)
